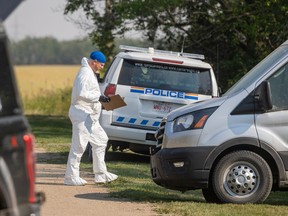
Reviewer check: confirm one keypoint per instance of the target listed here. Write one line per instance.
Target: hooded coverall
(84, 114)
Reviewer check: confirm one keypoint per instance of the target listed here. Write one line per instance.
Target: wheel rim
(241, 180)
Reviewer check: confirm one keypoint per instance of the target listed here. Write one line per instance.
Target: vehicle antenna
(182, 48)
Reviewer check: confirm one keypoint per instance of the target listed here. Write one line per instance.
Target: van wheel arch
(269, 154)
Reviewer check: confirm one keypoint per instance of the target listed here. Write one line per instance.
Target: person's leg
(80, 136)
(98, 142)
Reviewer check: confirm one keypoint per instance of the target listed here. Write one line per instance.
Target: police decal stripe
(143, 122)
(132, 121)
(135, 89)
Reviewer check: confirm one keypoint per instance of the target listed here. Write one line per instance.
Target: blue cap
(98, 56)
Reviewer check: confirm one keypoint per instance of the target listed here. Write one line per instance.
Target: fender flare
(245, 142)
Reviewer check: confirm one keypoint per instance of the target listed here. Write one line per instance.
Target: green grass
(54, 134)
(50, 131)
(50, 102)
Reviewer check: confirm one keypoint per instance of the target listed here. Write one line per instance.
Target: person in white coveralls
(84, 114)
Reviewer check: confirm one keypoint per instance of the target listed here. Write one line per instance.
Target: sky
(41, 18)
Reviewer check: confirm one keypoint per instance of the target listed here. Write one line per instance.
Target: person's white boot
(75, 181)
(103, 178)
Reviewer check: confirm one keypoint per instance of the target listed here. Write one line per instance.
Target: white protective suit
(84, 114)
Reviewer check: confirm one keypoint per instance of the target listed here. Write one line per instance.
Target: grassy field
(46, 89)
(37, 80)
(41, 87)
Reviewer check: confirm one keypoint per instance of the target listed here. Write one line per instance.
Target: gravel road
(87, 200)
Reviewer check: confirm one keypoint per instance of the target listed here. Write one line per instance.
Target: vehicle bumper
(188, 177)
(127, 134)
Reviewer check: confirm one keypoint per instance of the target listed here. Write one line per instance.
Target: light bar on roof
(152, 50)
(135, 49)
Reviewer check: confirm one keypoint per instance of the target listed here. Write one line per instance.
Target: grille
(160, 133)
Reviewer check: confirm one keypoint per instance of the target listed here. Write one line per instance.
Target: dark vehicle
(17, 160)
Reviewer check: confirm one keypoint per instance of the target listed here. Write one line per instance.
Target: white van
(234, 148)
(152, 83)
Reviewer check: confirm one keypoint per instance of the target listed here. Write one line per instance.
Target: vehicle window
(8, 98)
(168, 77)
(278, 84)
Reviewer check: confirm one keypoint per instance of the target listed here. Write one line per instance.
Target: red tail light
(110, 90)
(30, 165)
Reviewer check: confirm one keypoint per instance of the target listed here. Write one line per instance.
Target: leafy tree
(233, 35)
(104, 22)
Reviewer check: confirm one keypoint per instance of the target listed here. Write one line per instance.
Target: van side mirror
(263, 96)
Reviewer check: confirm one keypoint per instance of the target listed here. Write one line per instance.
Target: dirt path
(87, 200)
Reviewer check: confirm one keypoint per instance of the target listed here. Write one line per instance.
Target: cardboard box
(115, 102)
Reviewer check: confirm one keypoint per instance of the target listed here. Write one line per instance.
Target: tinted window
(168, 77)
(8, 98)
(279, 88)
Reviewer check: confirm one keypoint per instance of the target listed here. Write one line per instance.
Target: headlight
(194, 120)
(183, 122)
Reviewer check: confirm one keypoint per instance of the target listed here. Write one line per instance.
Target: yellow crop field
(35, 80)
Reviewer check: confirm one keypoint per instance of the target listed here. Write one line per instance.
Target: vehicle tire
(89, 151)
(242, 177)
(210, 195)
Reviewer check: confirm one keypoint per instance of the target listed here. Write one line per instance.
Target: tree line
(48, 50)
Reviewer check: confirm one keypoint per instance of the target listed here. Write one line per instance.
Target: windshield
(167, 77)
(259, 70)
